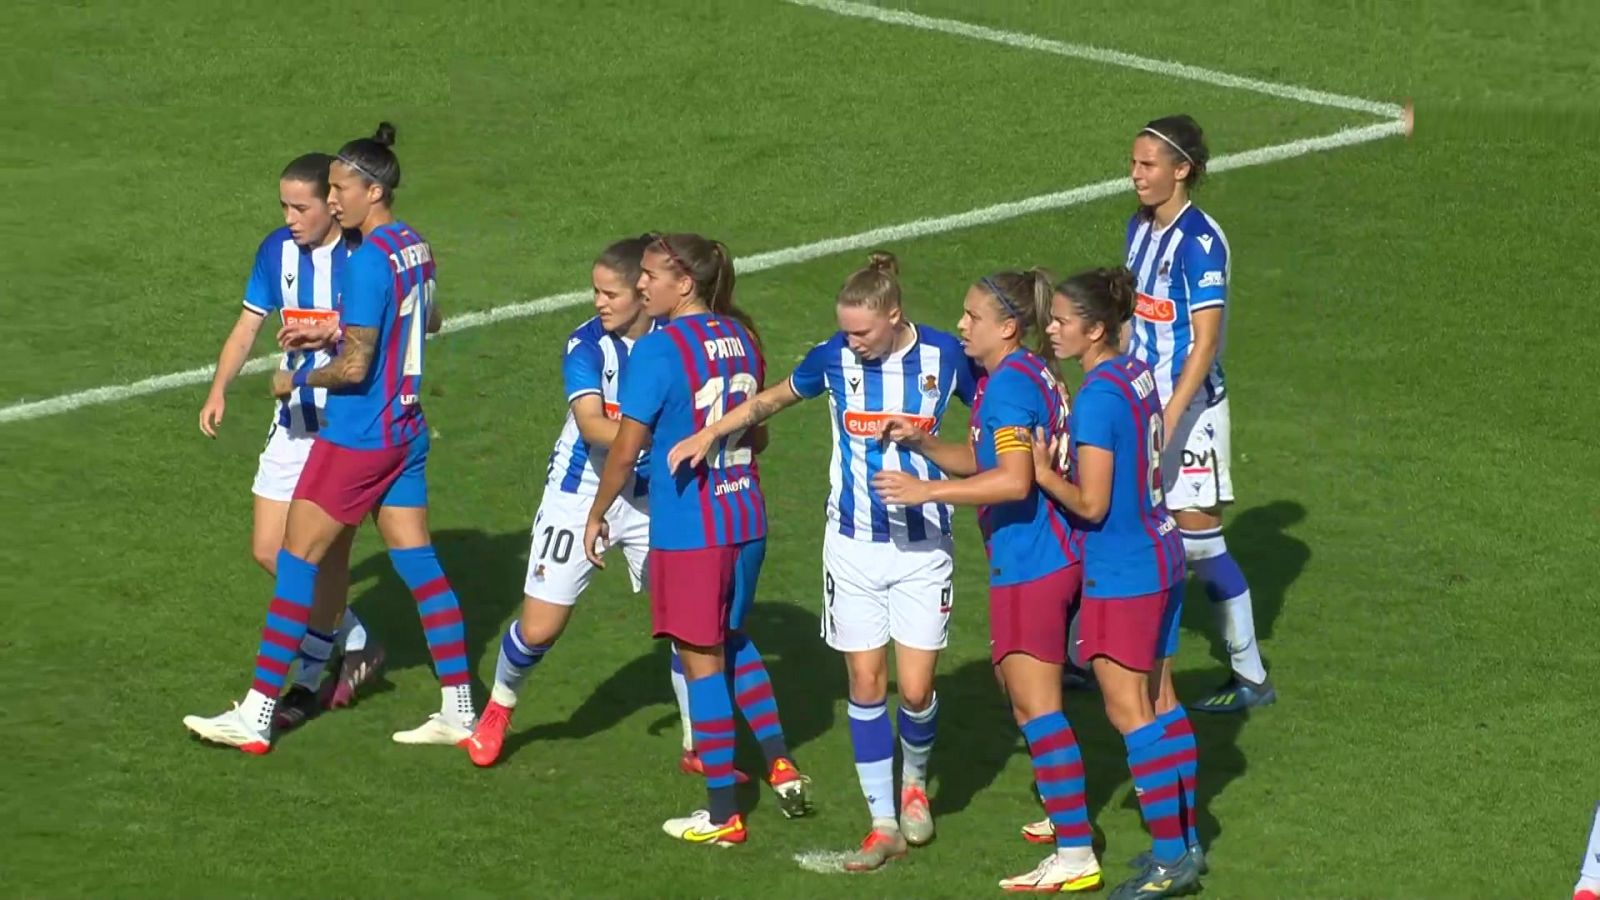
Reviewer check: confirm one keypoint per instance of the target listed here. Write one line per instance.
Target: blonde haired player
(886, 567)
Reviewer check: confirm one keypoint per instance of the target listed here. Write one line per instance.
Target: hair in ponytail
(1102, 297)
(1024, 297)
(709, 264)
(875, 286)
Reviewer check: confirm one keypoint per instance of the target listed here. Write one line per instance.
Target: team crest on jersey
(930, 385)
(538, 572)
(1166, 268)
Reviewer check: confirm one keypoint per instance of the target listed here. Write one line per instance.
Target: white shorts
(278, 470)
(876, 592)
(1195, 464)
(557, 569)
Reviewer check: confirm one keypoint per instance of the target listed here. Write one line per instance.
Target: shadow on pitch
(485, 570)
(787, 638)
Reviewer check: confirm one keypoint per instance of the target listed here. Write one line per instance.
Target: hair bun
(384, 135)
(883, 261)
(1120, 280)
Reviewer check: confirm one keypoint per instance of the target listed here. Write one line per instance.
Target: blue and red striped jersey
(1136, 549)
(1030, 538)
(682, 377)
(388, 285)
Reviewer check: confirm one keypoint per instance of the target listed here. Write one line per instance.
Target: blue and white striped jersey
(592, 364)
(289, 276)
(1178, 271)
(917, 382)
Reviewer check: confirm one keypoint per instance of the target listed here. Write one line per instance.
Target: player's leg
(751, 685)
(921, 596)
(1124, 639)
(558, 573)
(402, 519)
(1588, 886)
(310, 532)
(1028, 632)
(691, 592)
(1200, 485)
(1175, 723)
(306, 696)
(361, 656)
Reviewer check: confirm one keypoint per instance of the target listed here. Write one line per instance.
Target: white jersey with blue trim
(1178, 271)
(918, 382)
(289, 276)
(592, 364)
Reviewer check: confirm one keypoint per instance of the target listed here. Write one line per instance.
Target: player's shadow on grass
(787, 638)
(485, 571)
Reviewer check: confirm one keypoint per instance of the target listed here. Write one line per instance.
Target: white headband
(375, 179)
(1170, 143)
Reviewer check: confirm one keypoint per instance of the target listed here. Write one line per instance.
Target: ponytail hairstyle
(1024, 297)
(624, 257)
(372, 159)
(1101, 296)
(1184, 142)
(709, 265)
(312, 169)
(875, 286)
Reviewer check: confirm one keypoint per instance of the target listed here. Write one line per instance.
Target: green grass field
(1413, 429)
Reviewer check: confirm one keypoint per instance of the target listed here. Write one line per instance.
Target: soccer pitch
(1411, 460)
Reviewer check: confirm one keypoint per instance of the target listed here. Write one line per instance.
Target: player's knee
(542, 622)
(915, 697)
(266, 556)
(1201, 545)
(869, 681)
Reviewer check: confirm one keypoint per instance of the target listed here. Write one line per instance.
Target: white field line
(760, 262)
(1101, 55)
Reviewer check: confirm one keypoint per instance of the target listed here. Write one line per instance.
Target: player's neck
(906, 337)
(641, 324)
(331, 238)
(998, 357)
(1095, 355)
(692, 308)
(377, 217)
(1164, 214)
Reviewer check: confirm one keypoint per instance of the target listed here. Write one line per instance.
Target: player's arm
(1010, 479)
(955, 459)
(747, 415)
(1205, 277)
(435, 318)
(589, 411)
(235, 350)
(1090, 498)
(630, 439)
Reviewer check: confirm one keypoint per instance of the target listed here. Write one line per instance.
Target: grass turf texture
(1412, 457)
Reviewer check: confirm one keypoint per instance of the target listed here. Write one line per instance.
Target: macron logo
(1205, 242)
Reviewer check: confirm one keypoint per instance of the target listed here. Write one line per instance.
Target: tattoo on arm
(761, 410)
(351, 365)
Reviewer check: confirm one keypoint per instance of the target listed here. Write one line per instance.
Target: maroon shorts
(1031, 617)
(1128, 630)
(691, 594)
(347, 484)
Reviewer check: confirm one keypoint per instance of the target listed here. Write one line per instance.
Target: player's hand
(1169, 421)
(901, 488)
(282, 384)
(692, 449)
(1044, 453)
(211, 414)
(596, 537)
(308, 336)
(901, 430)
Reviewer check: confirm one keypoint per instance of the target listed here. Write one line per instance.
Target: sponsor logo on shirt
(861, 424)
(1213, 279)
(1155, 309)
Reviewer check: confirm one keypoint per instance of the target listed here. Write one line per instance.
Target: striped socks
(1058, 771)
(1153, 759)
(280, 637)
(752, 691)
(872, 738)
(711, 710)
(917, 731)
(516, 660)
(1176, 727)
(419, 568)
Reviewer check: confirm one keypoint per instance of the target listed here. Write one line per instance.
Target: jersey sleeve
(580, 368)
(809, 379)
(1095, 416)
(366, 280)
(1009, 412)
(1205, 271)
(968, 373)
(643, 392)
(259, 295)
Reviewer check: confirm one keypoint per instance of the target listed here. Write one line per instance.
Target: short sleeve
(968, 373)
(580, 368)
(809, 378)
(367, 280)
(1010, 411)
(259, 293)
(1205, 271)
(643, 392)
(1096, 414)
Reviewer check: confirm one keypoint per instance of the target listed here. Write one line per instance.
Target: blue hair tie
(993, 288)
